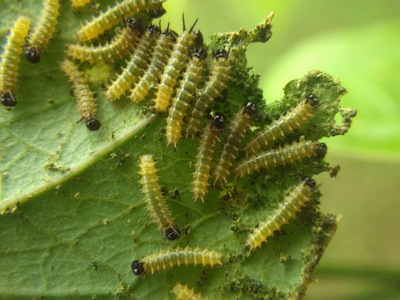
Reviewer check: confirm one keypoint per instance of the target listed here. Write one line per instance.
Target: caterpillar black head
(220, 54)
(8, 99)
(199, 53)
(152, 29)
(32, 55)
(309, 182)
(250, 108)
(93, 124)
(320, 150)
(313, 100)
(138, 268)
(218, 122)
(134, 24)
(172, 233)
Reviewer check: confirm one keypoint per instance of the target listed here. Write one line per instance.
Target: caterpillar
(205, 156)
(281, 156)
(105, 20)
(118, 48)
(162, 52)
(44, 30)
(216, 83)
(84, 96)
(237, 130)
(176, 63)
(295, 200)
(155, 202)
(184, 95)
(183, 292)
(10, 61)
(285, 125)
(136, 65)
(170, 258)
(78, 3)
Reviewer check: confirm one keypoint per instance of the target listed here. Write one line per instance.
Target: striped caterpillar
(113, 15)
(136, 65)
(285, 125)
(237, 130)
(184, 95)
(155, 202)
(84, 96)
(183, 292)
(216, 83)
(286, 210)
(162, 52)
(121, 45)
(281, 156)
(44, 30)
(10, 61)
(170, 258)
(205, 156)
(176, 63)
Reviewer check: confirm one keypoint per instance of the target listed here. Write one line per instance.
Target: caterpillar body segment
(167, 259)
(292, 203)
(113, 15)
(183, 292)
(281, 156)
(155, 202)
(79, 3)
(205, 156)
(84, 96)
(176, 64)
(161, 54)
(43, 31)
(215, 85)
(285, 125)
(121, 45)
(10, 59)
(135, 66)
(184, 95)
(238, 128)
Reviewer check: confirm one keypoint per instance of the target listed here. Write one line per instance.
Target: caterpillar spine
(135, 66)
(162, 52)
(10, 60)
(215, 85)
(281, 156)
(184, 95)
(300, 194)
(239, 126)
(176, 64)
(44, 30)
(84, 96)
(285, 125)
(117, 48)
(113, 15)
(155, 202)
(167, 259)
(205, 155)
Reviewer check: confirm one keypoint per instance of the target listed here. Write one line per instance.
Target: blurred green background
(359, 43)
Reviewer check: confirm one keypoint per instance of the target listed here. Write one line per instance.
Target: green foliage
(85, 220)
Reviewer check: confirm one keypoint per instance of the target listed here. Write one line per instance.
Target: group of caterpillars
(175, 69)
(258, 154)
(38, 39)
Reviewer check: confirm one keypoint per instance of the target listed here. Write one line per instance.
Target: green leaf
(85, 220)
(366, 59)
